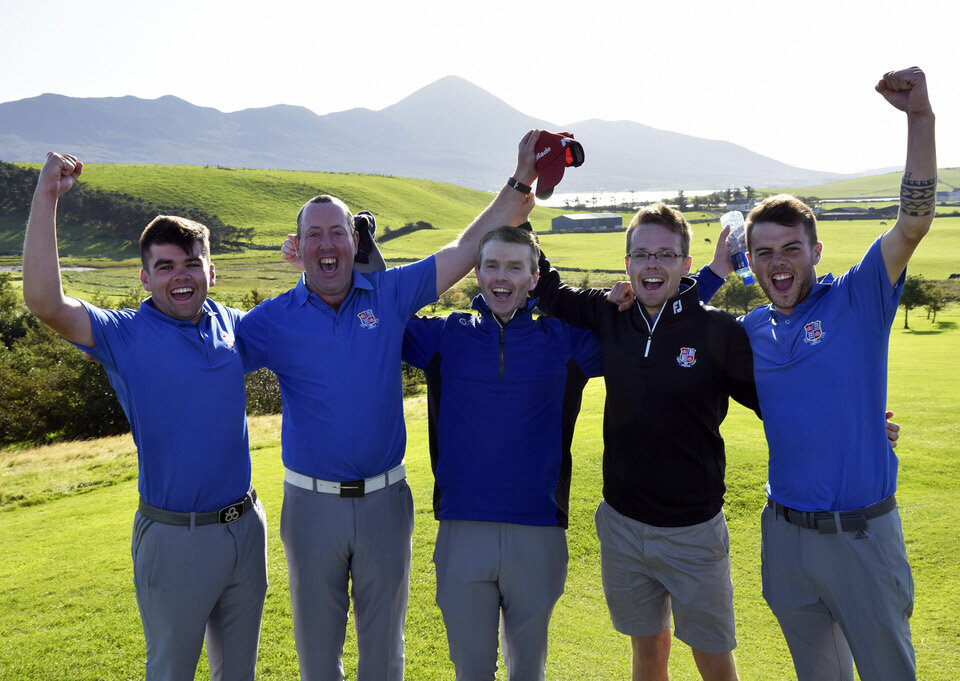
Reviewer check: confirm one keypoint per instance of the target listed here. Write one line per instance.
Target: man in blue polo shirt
(835, 570)
(334, 341)
(199, 538)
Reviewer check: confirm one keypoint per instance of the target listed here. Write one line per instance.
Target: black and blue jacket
(502, 404)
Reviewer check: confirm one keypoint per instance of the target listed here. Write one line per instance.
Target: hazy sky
(793, 81)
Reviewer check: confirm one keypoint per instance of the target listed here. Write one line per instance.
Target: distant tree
(914, 295)
(681, 201)
(936, 300)
(736, 298)
(727, 194)
(737, 193)
(15, 319)
(697, 202)
(750, 192)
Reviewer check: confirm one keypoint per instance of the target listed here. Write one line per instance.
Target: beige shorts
(649, 572)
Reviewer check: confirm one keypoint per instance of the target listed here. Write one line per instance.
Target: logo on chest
(367, 319)
(227, 339)
(687, 357)
(812, 333)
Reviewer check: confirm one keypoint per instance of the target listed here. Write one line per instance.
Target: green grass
(875, 185)
(66, 593)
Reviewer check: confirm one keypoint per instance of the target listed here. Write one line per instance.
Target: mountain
(450, 130)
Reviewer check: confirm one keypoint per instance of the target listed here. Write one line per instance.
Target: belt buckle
(352, 488)
(231, 513)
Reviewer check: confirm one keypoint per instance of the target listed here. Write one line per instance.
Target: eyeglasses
(664, 257)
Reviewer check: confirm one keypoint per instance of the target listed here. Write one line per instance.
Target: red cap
(555, 151)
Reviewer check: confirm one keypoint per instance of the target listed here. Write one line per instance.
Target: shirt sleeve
(708, 283)
(421, 340)
(586, 352)
(253, 337)
(867, 286)
(580, 307)
(414, 285)
(111, 336)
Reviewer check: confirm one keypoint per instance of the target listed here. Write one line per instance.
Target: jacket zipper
(650, 329)
(501, 350)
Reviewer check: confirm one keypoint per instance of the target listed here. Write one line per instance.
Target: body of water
(602, 198)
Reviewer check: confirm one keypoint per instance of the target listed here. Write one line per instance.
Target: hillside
(268, 201)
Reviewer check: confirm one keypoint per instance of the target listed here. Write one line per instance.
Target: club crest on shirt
(367, 319)
(677, 307)
(687, 357)
(813, 333)
(227, 338)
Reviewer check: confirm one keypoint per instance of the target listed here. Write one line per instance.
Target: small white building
(587, 222)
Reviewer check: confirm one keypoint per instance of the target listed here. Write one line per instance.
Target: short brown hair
(665, 216)
(783, 209)
(325, 198)
(172, 229)
(513, 235)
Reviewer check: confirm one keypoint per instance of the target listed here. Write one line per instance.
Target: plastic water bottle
(737, 240)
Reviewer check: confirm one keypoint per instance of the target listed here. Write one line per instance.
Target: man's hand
(58, 174)
(893, 430)
(290, 252)
(526, 171)
(906, 90)
(621, 295)
(722, 265)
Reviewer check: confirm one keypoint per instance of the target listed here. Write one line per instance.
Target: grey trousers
(330, 540)
(841, 598)
(207, 580)
(485, 569)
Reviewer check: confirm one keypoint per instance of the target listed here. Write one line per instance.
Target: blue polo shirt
(821, 377)
(181, 387)
(339, 370)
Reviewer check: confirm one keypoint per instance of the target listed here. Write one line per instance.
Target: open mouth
(328, 265)
(651, 283)
(182, 293)
(782, 281)
(501, 293)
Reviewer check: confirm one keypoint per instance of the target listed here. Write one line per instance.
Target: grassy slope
(66, 596)
(268, 201)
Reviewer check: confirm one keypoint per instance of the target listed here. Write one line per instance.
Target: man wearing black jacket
(670, 366)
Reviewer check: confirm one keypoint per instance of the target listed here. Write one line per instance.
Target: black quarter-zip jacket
(668, 386)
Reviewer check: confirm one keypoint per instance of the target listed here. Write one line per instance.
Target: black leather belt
(825, 522)
(225, 515)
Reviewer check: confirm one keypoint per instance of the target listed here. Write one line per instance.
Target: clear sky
(793, 81)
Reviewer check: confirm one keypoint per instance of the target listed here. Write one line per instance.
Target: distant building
(743, 205)
(948, 197)
(587, 222)
(856, 213)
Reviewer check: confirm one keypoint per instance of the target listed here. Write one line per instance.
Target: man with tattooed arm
(835, 570)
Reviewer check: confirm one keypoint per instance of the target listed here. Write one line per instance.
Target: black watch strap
(519, 186)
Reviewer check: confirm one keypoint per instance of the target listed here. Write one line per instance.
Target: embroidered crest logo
(677, 307)
(227, 339)
(813, 333)
(367, 319)
(687, 357)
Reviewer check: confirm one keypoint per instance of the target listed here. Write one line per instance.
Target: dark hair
(783, 209)
(513, 235)
(171, 229)
(325, 198)
(665, 216)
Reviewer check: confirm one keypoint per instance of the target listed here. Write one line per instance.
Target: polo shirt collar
(301, 294)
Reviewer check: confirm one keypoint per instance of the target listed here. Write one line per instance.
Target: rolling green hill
(268, 201)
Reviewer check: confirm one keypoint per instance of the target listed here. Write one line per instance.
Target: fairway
(66, 592)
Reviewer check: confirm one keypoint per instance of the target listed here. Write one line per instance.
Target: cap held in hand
(555, 151)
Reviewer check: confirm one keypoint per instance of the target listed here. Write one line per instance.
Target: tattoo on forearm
(918, 197)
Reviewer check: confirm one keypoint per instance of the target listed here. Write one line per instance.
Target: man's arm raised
(455, 260)
(42, 289)
(907, 91)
